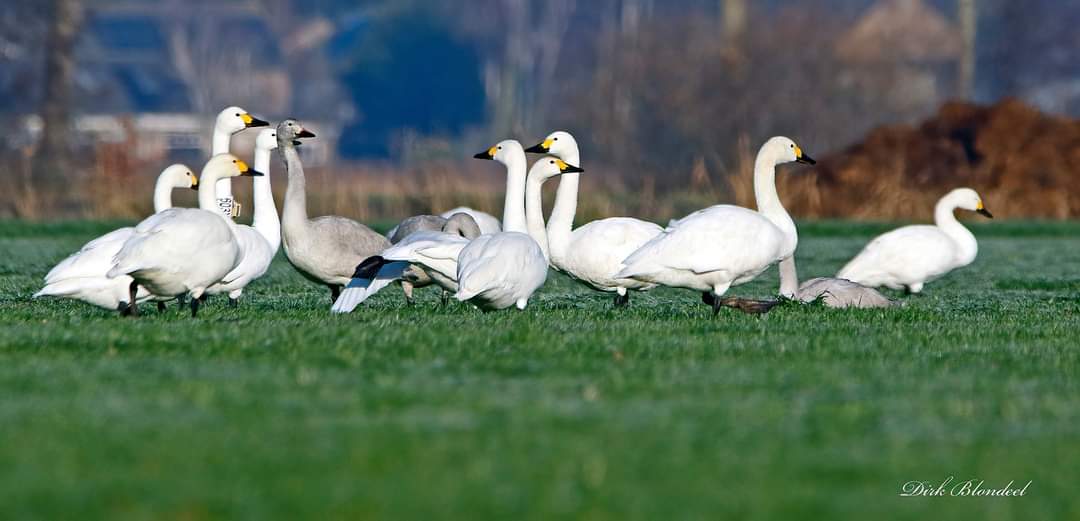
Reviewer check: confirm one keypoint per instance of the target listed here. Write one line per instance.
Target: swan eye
(500, 148)
(554, 139)
(237, 114)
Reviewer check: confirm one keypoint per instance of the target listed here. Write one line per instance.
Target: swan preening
(909, 257)
(184, 251)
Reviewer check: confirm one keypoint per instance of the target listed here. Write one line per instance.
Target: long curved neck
(561, 222)
(208, 193)
(514, 204)
(162, 194)
(768, 201)
(967, 246)
(266, 220)
(294, 210)
(220, 145)
(534, 213)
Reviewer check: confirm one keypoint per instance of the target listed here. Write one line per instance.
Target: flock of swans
(191, 253)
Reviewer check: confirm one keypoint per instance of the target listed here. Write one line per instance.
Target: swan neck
(945, 219)
(294, 210)
(534, 213)
(768, 201)
(220, 145)
(208, 193)
(561, 222)
(789, 278)
(265, 220)
(514, 204)
(162, 194)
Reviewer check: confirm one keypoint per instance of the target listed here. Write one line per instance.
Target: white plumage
(500, 270)
(909, 257)
(593, 253)
(488, 223)
(722, 246)
(184, 251)
(82, 275)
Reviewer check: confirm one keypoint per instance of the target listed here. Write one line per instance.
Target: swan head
(234, 119)
(179, 176)
(223, 166)
(290, 131)
(559, 143)
(968, 199)
(267, 139)
(503, 152)
(462, 224)
(550, 166)
(784, 150)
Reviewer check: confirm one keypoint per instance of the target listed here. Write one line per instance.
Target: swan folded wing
(166, 236)
(93, 260)
(349, 241)
(917, 251)
(255, 256)
(433, 250)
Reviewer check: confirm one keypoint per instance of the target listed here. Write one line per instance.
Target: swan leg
(445, 298)
(233, 302)
(161, 307)
(133, 305)
(407, 288)
(181, 301)
(195, 306)
(335, 292)
(622, 298)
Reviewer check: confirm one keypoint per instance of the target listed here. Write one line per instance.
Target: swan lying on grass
(909, 257)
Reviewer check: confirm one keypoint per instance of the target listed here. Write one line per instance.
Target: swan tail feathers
(360, 288)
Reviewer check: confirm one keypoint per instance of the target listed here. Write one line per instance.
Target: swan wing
(92, 260)
(916, 252)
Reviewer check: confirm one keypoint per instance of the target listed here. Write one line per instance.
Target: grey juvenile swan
(325, 249)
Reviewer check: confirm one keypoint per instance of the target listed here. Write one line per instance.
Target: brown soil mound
(1021, 161)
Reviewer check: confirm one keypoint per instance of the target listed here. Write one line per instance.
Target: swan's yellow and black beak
(540, 148)
(801, 157)
(566, 168)
(981, 210)
(487, 154)
(194, 182)
(252, 121)
(246, 171)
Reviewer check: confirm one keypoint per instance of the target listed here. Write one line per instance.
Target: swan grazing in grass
(593, 252)
(722, 246)
(229, 121)
(325, 249)
(421, 258)
(184, 251)
(909, 257)
(81, 276)
(260, 241)
(833, 292)
(504, 269)
(488, 223)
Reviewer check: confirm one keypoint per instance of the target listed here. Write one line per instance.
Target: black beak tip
(195, 187)
(807, 160)
(304, 133)
(537, 149)
(253, 173)
(483, 155)
(573, 170)
(256, 122)
(985, 212)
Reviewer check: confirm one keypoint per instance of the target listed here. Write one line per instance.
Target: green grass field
(277, 410)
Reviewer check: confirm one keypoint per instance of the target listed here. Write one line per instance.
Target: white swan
(722, 246)
(184, 251)
(592, 253)
(81, 276)
(325, 249)
(488, 223)
(909, 257)
(421, 258)
(260, 241)
(504, 269)
(228, 122)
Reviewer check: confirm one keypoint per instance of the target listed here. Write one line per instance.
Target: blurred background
(900, 100)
